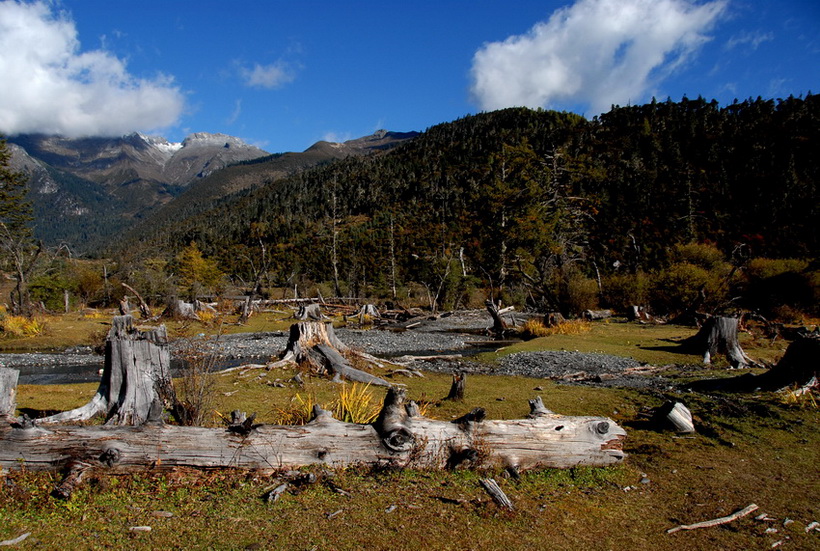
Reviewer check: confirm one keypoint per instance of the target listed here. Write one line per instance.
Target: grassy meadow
(757, 448)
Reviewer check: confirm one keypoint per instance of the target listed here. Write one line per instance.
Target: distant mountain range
(84, 190)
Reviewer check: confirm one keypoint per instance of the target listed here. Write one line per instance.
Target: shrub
(781, 288)
(582, 294)
(678, 287)
(620, 291)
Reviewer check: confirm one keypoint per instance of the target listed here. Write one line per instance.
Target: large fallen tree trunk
(136, 380)
(400, 437)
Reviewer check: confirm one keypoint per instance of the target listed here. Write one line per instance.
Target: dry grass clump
(535, 328)
(21, 326)
(354, 404)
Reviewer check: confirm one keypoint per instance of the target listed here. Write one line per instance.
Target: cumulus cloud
(270, 76)
(595, 53)
(50, 86)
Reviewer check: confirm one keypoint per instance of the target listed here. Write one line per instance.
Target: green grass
(750, 448)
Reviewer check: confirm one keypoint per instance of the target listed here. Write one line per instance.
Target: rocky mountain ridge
(85, 189)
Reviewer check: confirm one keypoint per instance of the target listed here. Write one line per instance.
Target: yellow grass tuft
(535, 328)
(356, 404)
(20, 326)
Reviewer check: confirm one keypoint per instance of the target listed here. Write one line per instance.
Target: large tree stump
(8, 392)
(316, 343)
(400, 437)
(719, 335)
(799, 367)
(136, 382)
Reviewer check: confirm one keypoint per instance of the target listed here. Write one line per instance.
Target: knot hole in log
(393, 423)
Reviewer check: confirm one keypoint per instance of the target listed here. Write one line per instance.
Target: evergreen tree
(17, 246)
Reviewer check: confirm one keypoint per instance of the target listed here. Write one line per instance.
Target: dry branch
(715, 522)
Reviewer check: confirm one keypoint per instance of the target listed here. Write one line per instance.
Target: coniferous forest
(651, 204)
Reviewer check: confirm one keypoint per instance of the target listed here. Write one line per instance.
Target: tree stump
(136, 382)
(8, 391)
(719, 334)
(316, 343)
(457, 387)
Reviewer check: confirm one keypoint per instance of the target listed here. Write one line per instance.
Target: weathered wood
(716, 522)
(494, 490)
(458, 386)
(316, 342)
(136, 382)
(145, 310)
(719, 334)
(311, 312)
(367, 314)
(676, 415)
(593, 315)
(8, 391)
(500, 326)
(340, 368)
(399, 437)
(798, 366)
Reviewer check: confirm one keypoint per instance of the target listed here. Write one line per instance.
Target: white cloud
(595, 52)
(51, 86)
(751, 39)
(270, 76)
(237, 110)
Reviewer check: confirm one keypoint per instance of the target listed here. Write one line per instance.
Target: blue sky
(283, 75)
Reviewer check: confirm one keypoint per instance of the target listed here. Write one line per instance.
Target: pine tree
(18, 249)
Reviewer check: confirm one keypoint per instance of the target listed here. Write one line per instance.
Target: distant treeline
(526, 202)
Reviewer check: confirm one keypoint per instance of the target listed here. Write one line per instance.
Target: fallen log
(400, 437)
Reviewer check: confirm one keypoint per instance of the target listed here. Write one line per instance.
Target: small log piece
(676, 415)
(491, 487)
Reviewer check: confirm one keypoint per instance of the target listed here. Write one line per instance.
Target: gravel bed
(462, 333)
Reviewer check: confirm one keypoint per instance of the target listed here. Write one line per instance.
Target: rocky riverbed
(462, 334)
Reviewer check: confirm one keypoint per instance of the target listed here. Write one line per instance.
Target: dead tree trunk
(500, 326)
(316, 343)
(8, 392)
(400, 437)
(458, 386)
(145, 310)
(136, 380)
(719, 334)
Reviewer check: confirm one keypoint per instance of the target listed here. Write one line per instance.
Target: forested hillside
(539, 205)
